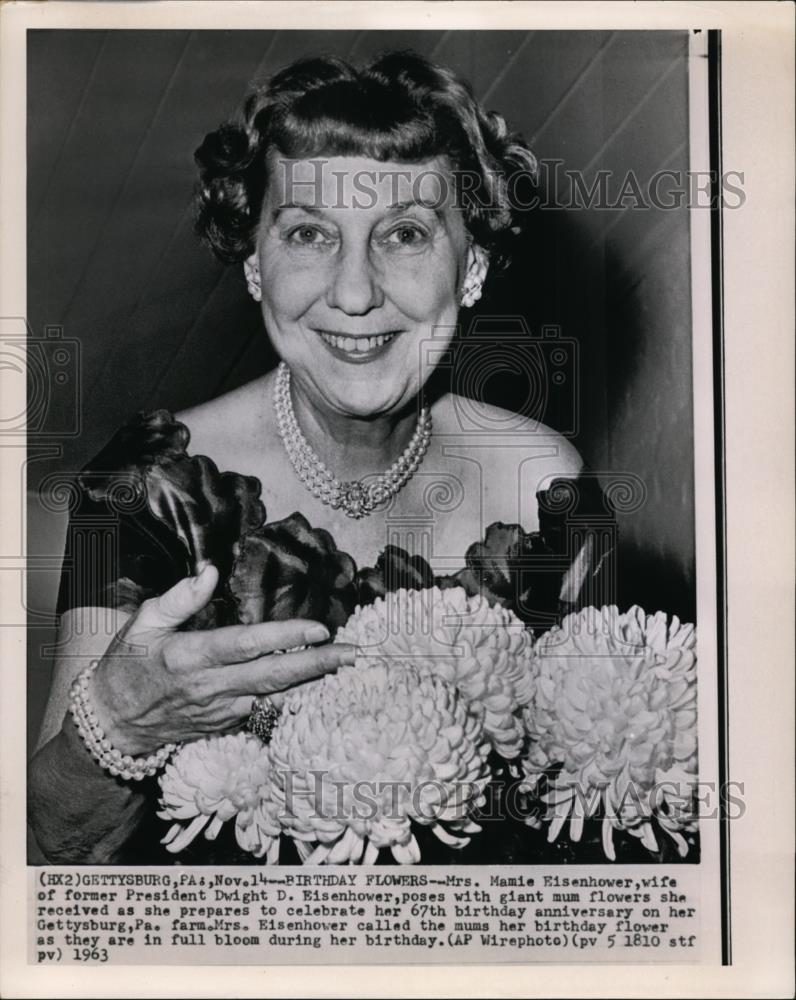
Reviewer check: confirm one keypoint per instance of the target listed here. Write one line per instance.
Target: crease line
(59, 156)
(506, 69)
(631, 115)
(125, 184)
(586, 69)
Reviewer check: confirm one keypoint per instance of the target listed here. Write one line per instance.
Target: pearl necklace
(356, 497)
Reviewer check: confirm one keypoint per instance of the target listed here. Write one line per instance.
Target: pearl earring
(471, 294)
(252, 273)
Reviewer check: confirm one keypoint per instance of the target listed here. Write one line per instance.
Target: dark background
(113, 120)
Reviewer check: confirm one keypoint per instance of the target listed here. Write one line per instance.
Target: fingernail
(316, 633)
(199, 576)
(348, 654)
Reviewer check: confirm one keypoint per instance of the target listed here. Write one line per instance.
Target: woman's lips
(359, 348)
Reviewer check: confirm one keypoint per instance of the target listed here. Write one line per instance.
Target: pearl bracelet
(107, 756)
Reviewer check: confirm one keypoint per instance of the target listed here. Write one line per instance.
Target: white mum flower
(362, 754)
(615, 709)
(217, 779)
(484, 651)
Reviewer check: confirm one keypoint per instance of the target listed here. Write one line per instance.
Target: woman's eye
(406, 236)
(308, 236)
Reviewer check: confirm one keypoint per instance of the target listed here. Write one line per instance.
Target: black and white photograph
(374, 507)
(364, 386)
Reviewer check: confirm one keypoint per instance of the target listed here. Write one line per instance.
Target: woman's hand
(157, 685)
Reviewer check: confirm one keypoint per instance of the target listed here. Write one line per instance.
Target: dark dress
(145, 513)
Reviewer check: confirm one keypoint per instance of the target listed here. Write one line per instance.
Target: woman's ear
(475, 274)
(251, 269)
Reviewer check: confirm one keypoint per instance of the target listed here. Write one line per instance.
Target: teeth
(357, 345)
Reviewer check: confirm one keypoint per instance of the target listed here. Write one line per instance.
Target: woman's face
(359, 262)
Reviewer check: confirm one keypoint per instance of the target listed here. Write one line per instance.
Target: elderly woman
(367, 208)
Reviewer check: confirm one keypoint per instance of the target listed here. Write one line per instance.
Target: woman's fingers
(168, 611)
(239, 643)
(285, 670)
(241, 707)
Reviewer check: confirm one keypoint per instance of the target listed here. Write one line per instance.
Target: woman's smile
(358, 348)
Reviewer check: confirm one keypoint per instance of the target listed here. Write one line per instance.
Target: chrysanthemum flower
(484, 651)
(217, 779)
(362, 754)
(615, 709)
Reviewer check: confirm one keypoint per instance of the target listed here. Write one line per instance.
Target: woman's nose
(355, 288)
